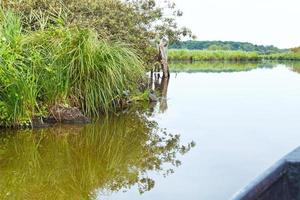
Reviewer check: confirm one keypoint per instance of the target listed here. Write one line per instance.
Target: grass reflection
(217, 66)
(74, 162)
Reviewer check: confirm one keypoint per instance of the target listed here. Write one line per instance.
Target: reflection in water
(226, 66)
(163, 106)
(88, 162)
(74, 162)
(295, 66)
(242, 122)
(160, 84)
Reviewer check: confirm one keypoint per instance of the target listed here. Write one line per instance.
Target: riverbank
(227, 55)
(65, 67)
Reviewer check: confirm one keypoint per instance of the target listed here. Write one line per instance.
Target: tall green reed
(18, 89)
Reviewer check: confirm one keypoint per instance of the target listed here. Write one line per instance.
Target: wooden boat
(280, 182)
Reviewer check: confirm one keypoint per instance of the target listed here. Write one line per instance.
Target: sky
(266, 22)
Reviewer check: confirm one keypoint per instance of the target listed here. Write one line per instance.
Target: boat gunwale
(262, 183)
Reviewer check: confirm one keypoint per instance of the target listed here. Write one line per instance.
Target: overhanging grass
(69, 66)
(92, 72)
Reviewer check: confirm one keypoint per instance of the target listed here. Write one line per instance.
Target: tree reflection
(75, 162)
(163, 104)
(295, 66)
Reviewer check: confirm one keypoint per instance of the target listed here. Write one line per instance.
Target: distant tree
(219, 47)
(214, 47)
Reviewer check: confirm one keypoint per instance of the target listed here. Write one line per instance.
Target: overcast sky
(268, 22)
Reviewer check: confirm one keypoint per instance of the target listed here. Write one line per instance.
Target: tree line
(225, 45)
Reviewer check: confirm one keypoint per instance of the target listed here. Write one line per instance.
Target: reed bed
(226, 55)
(283, 56)
(210, 55)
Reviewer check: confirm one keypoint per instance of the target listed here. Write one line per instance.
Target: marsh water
(214, 129)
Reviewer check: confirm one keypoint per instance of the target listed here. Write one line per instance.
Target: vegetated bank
(45, 71)
(228, 55)
(64, 60)
(283, 56)
(210, 55)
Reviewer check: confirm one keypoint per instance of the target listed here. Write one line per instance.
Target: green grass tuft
(60, 65)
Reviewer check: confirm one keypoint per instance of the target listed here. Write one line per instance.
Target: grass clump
(91, 72)
(60, 65)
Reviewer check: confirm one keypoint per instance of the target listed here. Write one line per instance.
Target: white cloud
(268, 22)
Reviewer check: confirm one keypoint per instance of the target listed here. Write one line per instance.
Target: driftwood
(163, 57)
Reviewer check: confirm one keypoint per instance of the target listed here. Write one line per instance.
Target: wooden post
(163, 57)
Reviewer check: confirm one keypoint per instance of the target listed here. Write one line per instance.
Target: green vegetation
(135, 23)
(229, 51)
(207, 55)
(227, 55)
(283, 56)
(225, 45)
(79, 162)
(295, 50)
(60, 65)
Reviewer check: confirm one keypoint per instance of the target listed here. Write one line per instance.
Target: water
(242, 122)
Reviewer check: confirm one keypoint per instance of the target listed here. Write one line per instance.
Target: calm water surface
(241, 122)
